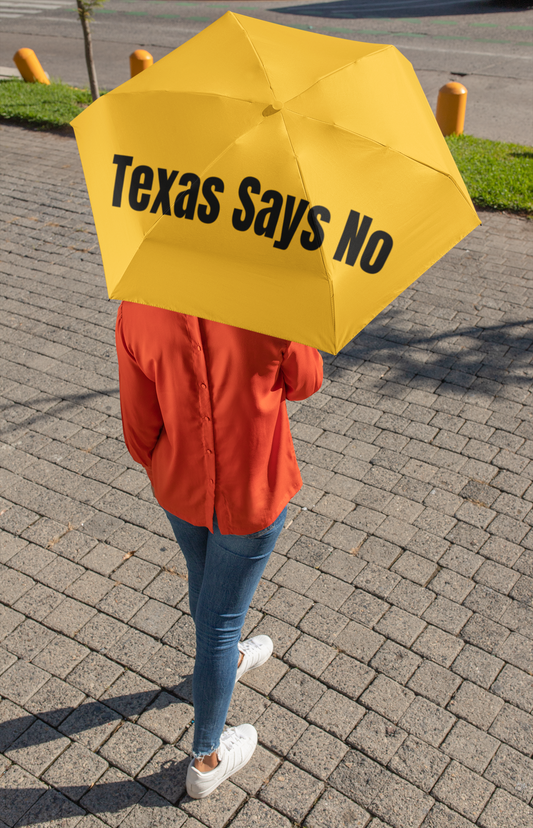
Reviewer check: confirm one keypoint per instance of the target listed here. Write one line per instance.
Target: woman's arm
(302, 371)
(141, 415)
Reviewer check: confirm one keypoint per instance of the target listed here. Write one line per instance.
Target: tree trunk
(89, 58)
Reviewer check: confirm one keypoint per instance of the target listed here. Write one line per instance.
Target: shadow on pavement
(495, 354)
(90, 714)
(108, 795)
(491, 352)
(356, 9)
(104, 797)
(18, 415)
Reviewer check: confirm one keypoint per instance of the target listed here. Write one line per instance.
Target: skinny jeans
(224, 571)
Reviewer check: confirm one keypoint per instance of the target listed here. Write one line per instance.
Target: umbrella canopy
(273, 179)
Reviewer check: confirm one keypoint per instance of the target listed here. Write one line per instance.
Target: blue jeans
(224, 571)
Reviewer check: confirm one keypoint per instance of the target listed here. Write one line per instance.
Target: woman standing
(203, 411)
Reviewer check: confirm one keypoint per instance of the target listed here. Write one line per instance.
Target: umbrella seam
(384, 48)
(326, 272)
(385, 146)
(258, 56)
(152, 227)
(133, 257)
(321, 250)
(208, 167)
(188, 92)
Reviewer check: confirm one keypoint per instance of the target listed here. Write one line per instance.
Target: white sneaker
(255, 651)
(237, 745)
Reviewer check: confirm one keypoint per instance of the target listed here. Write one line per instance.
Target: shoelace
(230, 739)
(246, 646)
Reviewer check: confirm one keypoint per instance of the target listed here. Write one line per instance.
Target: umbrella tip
(274, 107)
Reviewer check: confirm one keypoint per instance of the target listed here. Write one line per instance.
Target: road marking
(398, 34)
(39, 4)
(24, 6)
(19, 8)
(464, 52)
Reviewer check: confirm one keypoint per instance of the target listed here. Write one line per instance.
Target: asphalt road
(486, 45)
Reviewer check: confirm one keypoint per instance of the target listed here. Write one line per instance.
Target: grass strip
(499, 176)
(39, 105)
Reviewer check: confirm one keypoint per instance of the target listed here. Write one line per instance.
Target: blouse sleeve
(142, 420)
(302, 371)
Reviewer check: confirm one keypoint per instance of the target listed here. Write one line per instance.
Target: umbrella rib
(435, 169)
(135, 253)
(410, 158)
(206, 169)
(385, 47)
(203, 172)
(191, 92)
(385, 146)
(258, 56)
(228, 148)
(321, 251)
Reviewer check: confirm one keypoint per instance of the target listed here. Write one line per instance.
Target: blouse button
(203, 385)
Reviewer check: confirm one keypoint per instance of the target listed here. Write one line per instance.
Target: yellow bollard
(451, 107)
(140, 59)
(29, 67)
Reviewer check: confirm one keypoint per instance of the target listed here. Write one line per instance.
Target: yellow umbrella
(273, 179)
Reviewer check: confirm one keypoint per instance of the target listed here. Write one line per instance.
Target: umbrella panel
(379, 97)
(272, 124)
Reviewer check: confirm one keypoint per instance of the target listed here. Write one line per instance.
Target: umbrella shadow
(397, 9)
(497, 353)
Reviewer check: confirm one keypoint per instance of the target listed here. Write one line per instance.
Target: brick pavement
(399, 597)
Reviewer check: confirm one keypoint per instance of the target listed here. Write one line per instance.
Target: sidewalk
(399, 598)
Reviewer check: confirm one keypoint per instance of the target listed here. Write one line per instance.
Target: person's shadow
(25, 805)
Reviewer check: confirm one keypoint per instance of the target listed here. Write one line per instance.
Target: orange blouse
(203, 410)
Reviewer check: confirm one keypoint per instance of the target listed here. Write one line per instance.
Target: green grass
(39, 105)
(498, 176)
